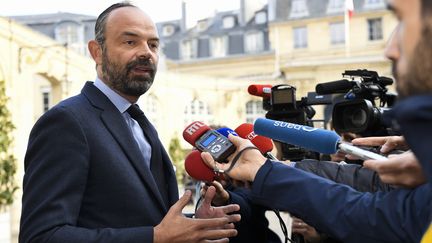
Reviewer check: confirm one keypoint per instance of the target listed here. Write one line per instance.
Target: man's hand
(206, 210)
(176, 228)
(221, 197)
(308, 232)
(246, 166)
(402, 170)
(387, 144)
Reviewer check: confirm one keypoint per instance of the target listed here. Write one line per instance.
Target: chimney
(183, 17)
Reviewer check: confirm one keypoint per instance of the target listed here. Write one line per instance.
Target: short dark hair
(102, 18)
(426, 8)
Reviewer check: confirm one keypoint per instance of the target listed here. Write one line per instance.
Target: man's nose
(144, 52)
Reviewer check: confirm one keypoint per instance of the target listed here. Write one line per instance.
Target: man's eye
(129, 42)
(154, 45)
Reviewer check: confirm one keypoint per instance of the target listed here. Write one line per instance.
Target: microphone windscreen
(260, 90)
(194, 131)
(196, 168)
(314, 139)
(340, 86)
(246, 130)
(226, 131)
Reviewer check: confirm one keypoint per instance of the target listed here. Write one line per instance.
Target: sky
(159, 10)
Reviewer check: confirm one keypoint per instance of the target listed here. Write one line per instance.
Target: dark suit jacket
(85, 178)
(400, 215)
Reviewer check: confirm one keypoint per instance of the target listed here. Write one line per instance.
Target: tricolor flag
(349, 7)
(349, 11)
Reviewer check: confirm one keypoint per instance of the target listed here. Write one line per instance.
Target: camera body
(282, 105)
(358, 111)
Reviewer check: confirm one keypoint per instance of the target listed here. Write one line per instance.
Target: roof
(52, 18)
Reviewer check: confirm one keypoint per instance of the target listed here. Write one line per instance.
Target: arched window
(150, 106)
(254, 110)
(72, 34)
(198, 110)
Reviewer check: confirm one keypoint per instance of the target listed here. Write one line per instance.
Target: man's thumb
(182, 202)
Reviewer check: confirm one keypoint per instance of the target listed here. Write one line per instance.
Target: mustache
(141, 62)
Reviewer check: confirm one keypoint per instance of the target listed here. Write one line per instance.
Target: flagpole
(347, 31)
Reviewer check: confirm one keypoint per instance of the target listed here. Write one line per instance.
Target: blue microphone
(226, 131)
(314, 139)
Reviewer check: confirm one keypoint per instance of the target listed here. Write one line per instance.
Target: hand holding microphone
(314, 139)
(245, 167)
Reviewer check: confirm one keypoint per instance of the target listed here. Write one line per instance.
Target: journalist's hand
(402, 170)
(176, 228)
(387, 144)
(246, 166)
(308, 232)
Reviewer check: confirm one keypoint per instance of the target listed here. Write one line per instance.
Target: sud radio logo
(294, 126)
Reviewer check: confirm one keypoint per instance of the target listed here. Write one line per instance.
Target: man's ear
(95, 51)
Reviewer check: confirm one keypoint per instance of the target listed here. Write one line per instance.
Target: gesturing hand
(206, 210)
(176, 228)
(221, 196)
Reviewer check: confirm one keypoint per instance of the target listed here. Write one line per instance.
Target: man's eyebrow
(128, 33)
(133, 34)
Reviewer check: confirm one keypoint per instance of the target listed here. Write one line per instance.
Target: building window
(254, 110)
(336, 6)
(337, 33)
(150, 106)
(197, 110)
(370, 4)
(218, 46)
(202, 25)
(261, 17)
(254, 42)
(168, 30)
(46, 99)
(298, 9)
(300, 37)
(375, 29)
(189, 49)
(229, 22)
(72, 34)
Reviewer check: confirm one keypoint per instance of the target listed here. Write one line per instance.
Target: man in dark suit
(95, 169)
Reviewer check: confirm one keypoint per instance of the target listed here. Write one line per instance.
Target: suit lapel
(117, 126)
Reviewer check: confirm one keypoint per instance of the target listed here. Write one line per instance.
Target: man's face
(410, 49)
(130, 56)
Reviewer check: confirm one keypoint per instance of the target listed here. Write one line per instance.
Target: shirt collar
(121, 103)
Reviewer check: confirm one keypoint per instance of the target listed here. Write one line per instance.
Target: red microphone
(205, 139)
(264, 144)
(261, 90)
(194, 131)
(197, 169)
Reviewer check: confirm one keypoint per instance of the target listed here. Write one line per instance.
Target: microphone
(226, 131)
(197, 169)
(314, 139)
(264, 144)
(263, 90)
(340, 86)
(207, 140)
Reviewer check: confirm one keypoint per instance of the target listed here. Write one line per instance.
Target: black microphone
(339, 86)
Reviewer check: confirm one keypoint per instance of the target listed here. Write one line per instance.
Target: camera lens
(358, 117)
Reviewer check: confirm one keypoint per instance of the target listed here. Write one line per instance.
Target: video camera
(280, 103)
(358, 112)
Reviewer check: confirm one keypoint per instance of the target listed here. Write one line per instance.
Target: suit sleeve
(56, 169)
(351, 216)
(353, 175)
